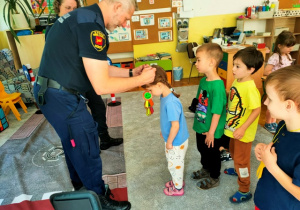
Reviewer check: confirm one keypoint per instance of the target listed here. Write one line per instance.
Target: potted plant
(13, 8)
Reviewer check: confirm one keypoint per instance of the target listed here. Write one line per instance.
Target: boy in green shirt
(210, 115)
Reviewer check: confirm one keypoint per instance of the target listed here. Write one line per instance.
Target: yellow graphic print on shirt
(243, 98)
(236, 112)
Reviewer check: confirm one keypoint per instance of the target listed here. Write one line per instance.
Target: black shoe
(106, 141)
(38, 112)
(77, 185)
(109, 204)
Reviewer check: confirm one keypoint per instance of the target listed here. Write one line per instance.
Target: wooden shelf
(270, 25)
(255, 37)
(121, 60)
(246, 19)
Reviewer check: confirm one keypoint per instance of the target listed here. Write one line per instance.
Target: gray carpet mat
(33, 168)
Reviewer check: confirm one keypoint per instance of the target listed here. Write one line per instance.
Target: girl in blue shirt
(174, 130)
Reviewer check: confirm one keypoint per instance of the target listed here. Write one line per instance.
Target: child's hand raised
(258, 150)
(209, 140)
(269, 156)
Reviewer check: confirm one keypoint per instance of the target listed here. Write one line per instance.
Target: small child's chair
(8, 101)
(191, 55)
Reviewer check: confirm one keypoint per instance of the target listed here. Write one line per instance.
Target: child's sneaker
(208, 183)
(171, 184)
(270, 128)
(172, 191)
(230, 171)
(239, 197)
(225, 156)
(200, 174)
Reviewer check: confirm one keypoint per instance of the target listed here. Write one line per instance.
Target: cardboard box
(263, 33)
(279, 30)
(296, 47)
(265, 14)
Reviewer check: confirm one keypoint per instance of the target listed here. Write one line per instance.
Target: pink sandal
(172, 191)
(171, 184)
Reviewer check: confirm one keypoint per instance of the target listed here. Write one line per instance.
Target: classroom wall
(3, 40)
(198, 27)
(3, 27)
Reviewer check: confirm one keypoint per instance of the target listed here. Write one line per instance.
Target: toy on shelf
(148, 103)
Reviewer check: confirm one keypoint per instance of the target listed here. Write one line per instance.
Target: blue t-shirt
(171, 110)
(269, 193)
(80, 33)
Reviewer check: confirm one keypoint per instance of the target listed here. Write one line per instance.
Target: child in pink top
(280, 58)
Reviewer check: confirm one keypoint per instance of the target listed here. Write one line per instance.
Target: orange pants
(241, 153)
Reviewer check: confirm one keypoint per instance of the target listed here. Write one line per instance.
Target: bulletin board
(288, 4)
(153, 4)
(153, 30)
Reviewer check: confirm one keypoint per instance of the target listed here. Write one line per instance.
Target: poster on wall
(165, 22)
(140, 34)
(135, 18)
(120, 34)
(36, 8)
(147, 20)
(165, 36)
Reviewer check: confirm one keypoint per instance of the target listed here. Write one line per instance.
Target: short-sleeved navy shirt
(80, 33)
(269, 193)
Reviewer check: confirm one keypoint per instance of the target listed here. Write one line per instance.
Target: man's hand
(147, 75)
(138, 70)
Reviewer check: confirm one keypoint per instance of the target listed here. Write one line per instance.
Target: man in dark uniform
(74, 61)
(95, 102)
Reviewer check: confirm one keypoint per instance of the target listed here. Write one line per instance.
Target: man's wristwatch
(130, 73)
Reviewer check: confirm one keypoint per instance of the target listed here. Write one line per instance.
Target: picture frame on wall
(124, 36)
(165, 36)
(140, 34)
(147, 20)
(165, 22)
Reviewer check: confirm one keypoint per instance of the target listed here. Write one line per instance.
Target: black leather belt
(53, 84)
(49, 83)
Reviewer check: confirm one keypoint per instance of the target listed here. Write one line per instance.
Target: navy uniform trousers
(75, 126)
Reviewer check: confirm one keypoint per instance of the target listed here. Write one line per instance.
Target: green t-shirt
(212, 100)
(242, 99)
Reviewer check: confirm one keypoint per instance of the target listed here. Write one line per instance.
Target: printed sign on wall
(120, 34)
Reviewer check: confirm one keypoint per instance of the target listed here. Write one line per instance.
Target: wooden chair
(8, 101)
(263, 79)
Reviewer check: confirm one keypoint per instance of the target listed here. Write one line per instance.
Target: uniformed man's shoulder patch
(98, 40)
